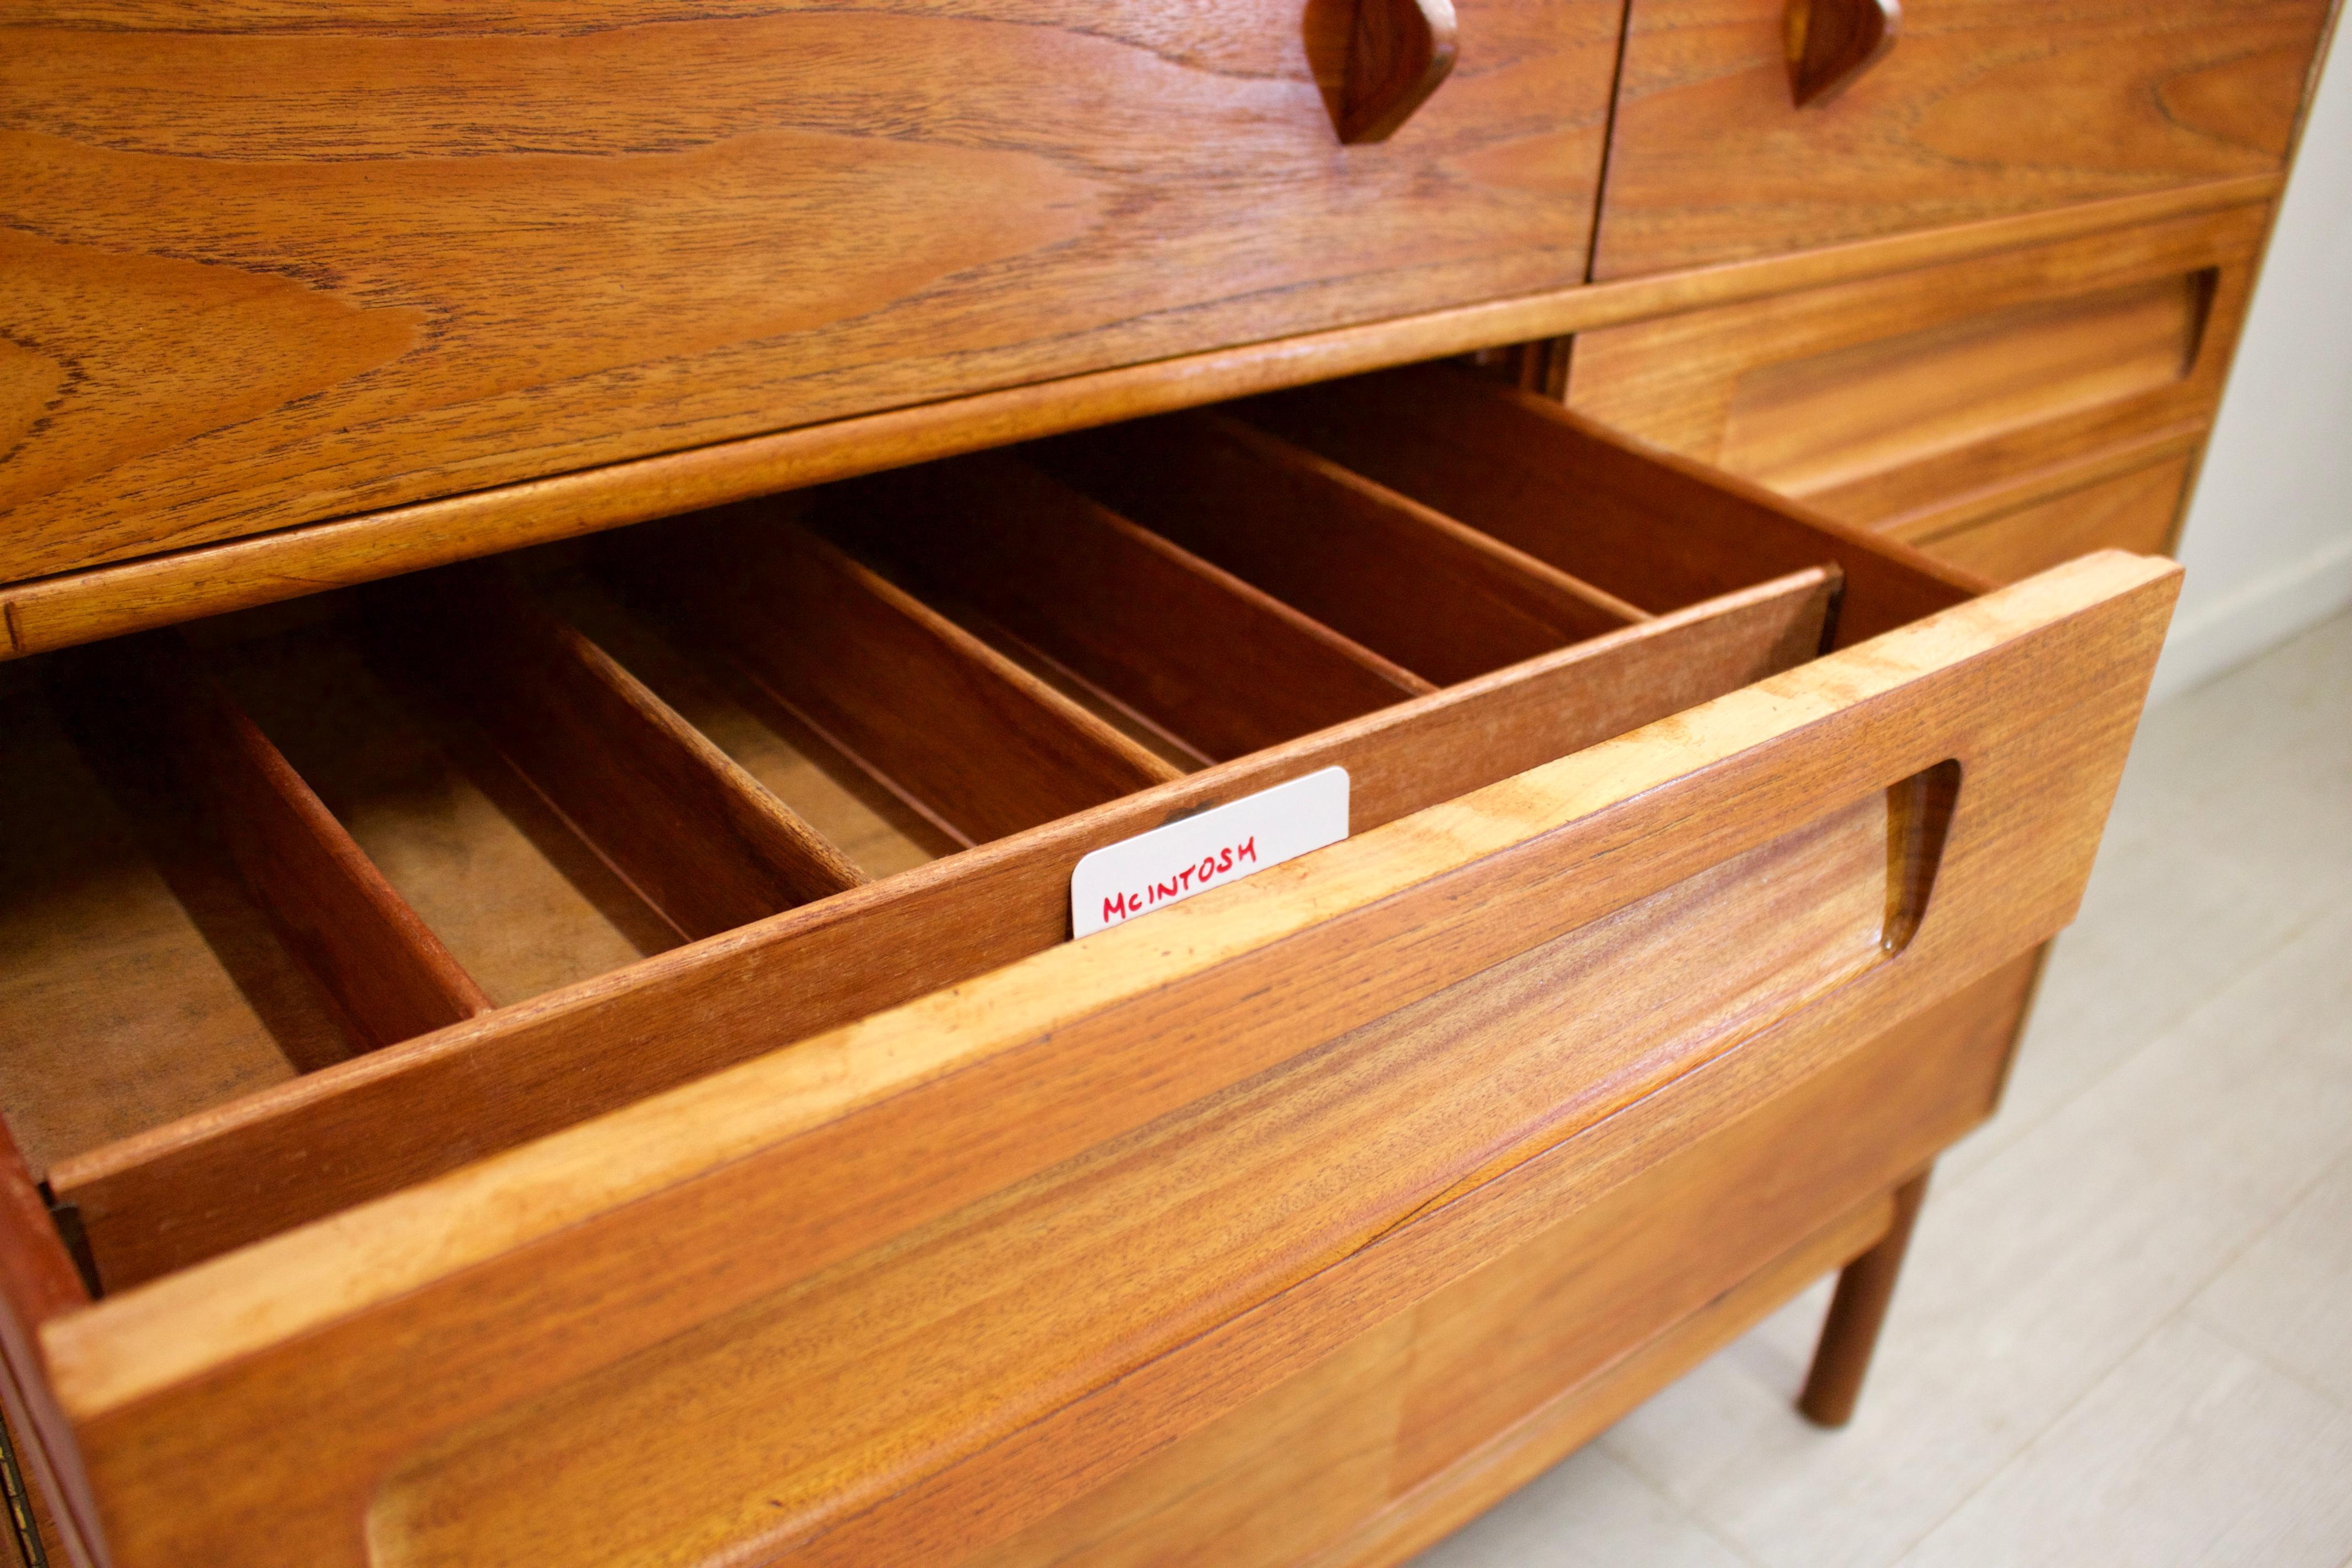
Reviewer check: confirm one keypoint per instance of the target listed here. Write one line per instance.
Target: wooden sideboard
(577, 581)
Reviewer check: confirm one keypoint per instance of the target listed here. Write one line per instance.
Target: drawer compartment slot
(1206, 663)
(700, 839)
(979, 745)
(1438, 597)
(516, 890)
(148, 975)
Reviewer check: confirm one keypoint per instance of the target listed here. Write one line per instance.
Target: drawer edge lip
(114, 1354)
(40, 614)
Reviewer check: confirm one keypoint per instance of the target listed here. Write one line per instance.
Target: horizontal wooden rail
(133, 595)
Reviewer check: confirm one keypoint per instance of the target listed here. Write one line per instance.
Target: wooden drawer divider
(1440, 598)
(391, 977)
(970, 739)
(700, 840)
(1202, 657)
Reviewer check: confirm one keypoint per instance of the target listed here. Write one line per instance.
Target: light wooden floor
(2124, 1333)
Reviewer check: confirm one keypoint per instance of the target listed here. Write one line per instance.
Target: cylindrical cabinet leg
(1850, 1332)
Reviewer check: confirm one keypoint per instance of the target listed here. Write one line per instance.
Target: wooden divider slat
(1216, 663)
(701, 840)
(390, 973)
(149, 1203)
(1439, 598)
(960, 732)
(1571, 491)
(39, 1280)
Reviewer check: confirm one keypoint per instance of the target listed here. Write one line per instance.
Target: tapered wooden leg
(1850, 1332)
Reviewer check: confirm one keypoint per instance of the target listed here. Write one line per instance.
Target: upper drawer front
(309, 261)
(1978, 108)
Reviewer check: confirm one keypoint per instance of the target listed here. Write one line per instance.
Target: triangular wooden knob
(1831, 42)
(1398, 53)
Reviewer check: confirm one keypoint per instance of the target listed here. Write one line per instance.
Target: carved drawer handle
(1831, 42)
(1398, 53)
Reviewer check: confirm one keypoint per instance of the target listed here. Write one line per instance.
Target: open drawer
(672, 1124)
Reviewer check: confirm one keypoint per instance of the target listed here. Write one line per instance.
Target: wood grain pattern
(964, 735)
(1865, 1290)
(142, 983)
(1222, 666)
(1439, 598)
(751, 1426)
(392, 975)
(1302, 1474)
(2137, 509)
(162, 1202)
(1985, 108)
(636, 1229)
(1888, 396)
(39, 1280)
(1831, 42)
(1968, 1037)
(265, 269)
(509, 886)
(1567, 490)
(1398, 53)
(83, 604)
(696, 836)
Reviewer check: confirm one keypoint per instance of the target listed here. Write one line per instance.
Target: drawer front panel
(2138, 510)
(1979, 108)
(297, 1374)
(1368, 1455)
(306, 263)
(1887, 401)
(773, 1422)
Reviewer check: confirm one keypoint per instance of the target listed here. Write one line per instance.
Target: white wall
(2269, 538)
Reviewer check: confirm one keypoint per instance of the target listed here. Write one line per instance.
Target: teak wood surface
(693, 834)
(390, 252)
(1521, 468)
(1442, 599)
(294, 1375)
(389, 975)
(1881, 400)
(1219, 664)
(1980, 108)
(1419, 1423)
(86, 603)
(1300, 1222)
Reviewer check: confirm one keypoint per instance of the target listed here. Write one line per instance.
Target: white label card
(1222, 844)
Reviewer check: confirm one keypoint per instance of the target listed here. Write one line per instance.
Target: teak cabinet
(578, 580)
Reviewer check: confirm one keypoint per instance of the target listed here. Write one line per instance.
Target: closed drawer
(866, 1218)
(296, 266)
(2133, 502)
(1926, 402)
(1977, 109)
